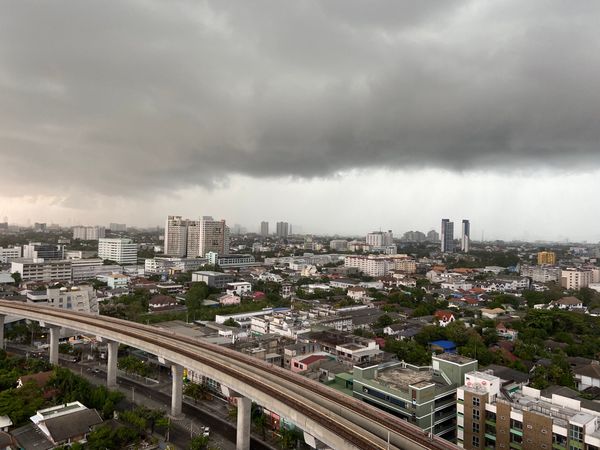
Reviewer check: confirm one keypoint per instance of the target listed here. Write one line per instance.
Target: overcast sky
(337, 116)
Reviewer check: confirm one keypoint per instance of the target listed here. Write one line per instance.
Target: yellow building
(546, 258)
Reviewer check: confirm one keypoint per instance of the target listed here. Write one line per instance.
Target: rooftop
(399, 377)
(455, 358)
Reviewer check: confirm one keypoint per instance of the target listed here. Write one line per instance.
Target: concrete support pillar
(53, 342)
(177, 390)
(111, 367)
(2, 316)
(244, 407)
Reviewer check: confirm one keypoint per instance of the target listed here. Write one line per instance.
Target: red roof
(312, 358)
(258, 294)
(445, 315)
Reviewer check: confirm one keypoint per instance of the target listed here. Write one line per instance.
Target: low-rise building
(213, 279)
(8, 254)
(425, 396)
(42, 270)
(89, 269)
(76, 298)
(115, 280)
(57, 426)
(444, 318)
(230, 261)
(239, 288)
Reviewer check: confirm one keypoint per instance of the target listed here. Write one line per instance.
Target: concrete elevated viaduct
(326, 416)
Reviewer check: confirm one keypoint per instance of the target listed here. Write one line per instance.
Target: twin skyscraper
(447, 236)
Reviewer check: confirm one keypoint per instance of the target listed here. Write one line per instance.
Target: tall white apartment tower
(447, 236)
(176, 236)
(214, 236)
(264, 229)
(283, 229)
(466, 236)
(193, 238)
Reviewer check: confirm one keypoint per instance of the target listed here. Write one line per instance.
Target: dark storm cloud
(122, 97)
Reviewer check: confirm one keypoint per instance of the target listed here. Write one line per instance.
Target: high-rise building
(282, 229)
(122, 251)
(544, 258)
(176, 236)
(380, 238)
(447, 236)
(503, 414)
(214, 236)
(88, 233)
(264, 229)
(118, 227)
(433, 236)
(466, 236)
(193, 239)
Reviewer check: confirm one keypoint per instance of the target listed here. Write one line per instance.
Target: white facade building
(379, 265)
(88, 233)
(176, 230)
(89, 269)
(120, 250)
(213, 237)
(239, 288)
(7, 254)
(41, 270)
(78, 298)
(576, 278)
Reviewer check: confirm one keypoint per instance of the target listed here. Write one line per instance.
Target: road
(211, 414)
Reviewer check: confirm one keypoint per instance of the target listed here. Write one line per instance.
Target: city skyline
(323, 112)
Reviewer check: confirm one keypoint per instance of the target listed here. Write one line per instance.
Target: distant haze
(338, 116)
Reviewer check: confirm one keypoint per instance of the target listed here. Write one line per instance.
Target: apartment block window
(576, 433)
(475, 427)
(476, 401)
(475, 441)
(475, 414)
(516, 424)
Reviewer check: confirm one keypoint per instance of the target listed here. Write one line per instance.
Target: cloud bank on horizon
(142, 96)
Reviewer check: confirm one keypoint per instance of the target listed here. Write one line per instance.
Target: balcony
(558, 446)
(491, 423)
(516, 445)
(516, 431)
(490, 436)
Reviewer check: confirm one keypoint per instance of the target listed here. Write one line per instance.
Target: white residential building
(213, 236)
(576, 278)
(41, 270)
(541, 274)
(338, 245)
(233, 260)
(77, 298)
(239, 288)
(7, 254)
(88, 233)
(176, 230)
(378, 265)
(120, 250)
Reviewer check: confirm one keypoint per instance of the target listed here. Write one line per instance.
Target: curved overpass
(339, 421)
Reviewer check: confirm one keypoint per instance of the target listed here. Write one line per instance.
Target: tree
(289, 437)
(231, 323)
(17, 277)
(199, 442)
(195, 390)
